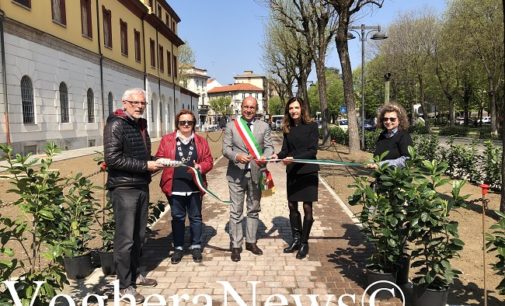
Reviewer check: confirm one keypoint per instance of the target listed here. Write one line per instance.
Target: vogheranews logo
(369, 297)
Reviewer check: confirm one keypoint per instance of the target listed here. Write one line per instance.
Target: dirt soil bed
(469, 289)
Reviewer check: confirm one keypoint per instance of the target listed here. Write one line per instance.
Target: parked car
(486, 120)
(343, 124)
(461, 121)
(369, 125)
(273, 125)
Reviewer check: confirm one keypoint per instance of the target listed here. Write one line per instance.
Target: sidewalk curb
(344, 207)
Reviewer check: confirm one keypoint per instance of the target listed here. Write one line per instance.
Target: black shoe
(253, 248)
(303, 251)
(177, 256)
(235, 254)
(197, 254)
(295, 245)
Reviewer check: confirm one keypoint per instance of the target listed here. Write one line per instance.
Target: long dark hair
(287, 122)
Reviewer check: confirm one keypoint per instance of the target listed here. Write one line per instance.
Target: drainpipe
(159, 78)
(145, 50)
(173, 80)
(101, 63)
(4, 77)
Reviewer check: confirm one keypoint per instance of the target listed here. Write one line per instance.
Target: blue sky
(227, 35)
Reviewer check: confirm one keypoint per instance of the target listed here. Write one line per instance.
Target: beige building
(67, 63)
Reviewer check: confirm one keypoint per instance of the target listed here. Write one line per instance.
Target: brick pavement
(335, 264)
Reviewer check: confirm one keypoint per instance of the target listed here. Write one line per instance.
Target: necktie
(249, 124)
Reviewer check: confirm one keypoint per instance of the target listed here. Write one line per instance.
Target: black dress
(302, 179)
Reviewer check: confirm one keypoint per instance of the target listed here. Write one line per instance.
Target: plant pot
(374, 276)
(107, 262)
(78, 267)
(402, 276)
(424, 296)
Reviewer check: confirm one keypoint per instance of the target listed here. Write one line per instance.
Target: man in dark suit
(243, 175)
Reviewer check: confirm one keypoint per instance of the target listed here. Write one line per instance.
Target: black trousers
(130, 206)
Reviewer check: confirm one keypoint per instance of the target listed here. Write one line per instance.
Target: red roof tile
(235, 87)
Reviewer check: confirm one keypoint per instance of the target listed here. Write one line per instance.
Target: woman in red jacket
(183, 195)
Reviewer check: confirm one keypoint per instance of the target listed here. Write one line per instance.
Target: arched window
(91, 106)
(64, 102)
(111, 102)
(27, 100)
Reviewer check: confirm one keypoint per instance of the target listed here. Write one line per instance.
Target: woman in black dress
(300, 142)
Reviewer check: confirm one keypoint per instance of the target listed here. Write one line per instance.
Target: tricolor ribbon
(323, 162)
(200, 183)
(266, 181)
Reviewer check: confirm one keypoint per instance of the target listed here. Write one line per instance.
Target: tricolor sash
(266, 181)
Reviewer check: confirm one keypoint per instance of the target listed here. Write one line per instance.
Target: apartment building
(66, 63)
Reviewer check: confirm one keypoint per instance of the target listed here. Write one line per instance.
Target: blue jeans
(192, 206)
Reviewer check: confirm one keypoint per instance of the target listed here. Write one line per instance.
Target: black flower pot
(107, 262)
(402, 276)
(424, 296)
(78, 267)
(374, 276)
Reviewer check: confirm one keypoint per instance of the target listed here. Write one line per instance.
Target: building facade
(66, 63)
(237, 93)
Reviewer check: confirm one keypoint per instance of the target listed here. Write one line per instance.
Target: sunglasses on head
(392, 119)
(185, 122)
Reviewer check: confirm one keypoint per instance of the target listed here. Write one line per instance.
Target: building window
(27, 100)
(167, 19)
(124, 37)
(86, 18)
(162, 62)
(159, 11)
(58, 11)
(169, 63)
(64, 102)
(173, 26)
(91, 106)
(151, 4)
(107, 27)
(175, 66)
(153, 52)
(27, 3)
(136, 36)
(110, 99)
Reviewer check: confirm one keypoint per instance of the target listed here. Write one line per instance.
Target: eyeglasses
(185, 122)
(137, 103)
(392, 119)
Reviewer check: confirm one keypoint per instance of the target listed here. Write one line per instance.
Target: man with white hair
(127, 153)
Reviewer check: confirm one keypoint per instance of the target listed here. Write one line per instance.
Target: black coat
(301, 143)
(127, 148)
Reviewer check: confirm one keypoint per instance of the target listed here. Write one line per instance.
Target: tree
(220, 105)
(316, 21)
(478, 23)
(502, 200)
(186, 59)
(345, 10)
(334, 95)
(275, 106)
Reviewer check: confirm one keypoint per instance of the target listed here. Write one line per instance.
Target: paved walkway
(335, 265)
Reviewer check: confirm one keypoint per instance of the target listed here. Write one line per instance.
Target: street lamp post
(363, 32)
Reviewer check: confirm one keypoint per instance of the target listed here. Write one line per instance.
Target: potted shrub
(433, 235)
(78, 218)
(383, 219)
(107, 234)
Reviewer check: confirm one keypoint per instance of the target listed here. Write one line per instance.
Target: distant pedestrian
(185, 146)
(127, 153)
(240, 138)
(301, 137)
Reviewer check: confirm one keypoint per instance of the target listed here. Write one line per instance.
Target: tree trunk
(343, 53)
(423, 103)
(502, 200)
(323, 103)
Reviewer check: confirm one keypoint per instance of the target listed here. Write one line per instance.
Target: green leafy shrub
(427, 146)
(339, 136)
(496, 243)
(463, 161)
(40, 191)
(371, 139)
(419, 128)
(459, 131)
(491, 169)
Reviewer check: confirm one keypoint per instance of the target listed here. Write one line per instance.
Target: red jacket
(167, 150)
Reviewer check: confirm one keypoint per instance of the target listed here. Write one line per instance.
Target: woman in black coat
(301, 137)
